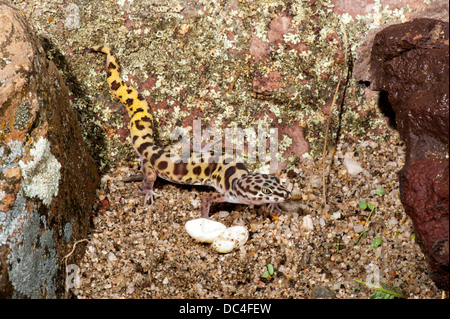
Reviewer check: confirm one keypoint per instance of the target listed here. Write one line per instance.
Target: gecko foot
(274, 208)
(149, 193)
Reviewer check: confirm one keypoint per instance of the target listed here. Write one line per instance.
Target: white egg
(230, 238)
(223, 246)
(204, 230)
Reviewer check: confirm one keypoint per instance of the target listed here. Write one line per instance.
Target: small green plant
(364, 205)
(268, 272)
(383, 291)
(380, 191)
(376, 242)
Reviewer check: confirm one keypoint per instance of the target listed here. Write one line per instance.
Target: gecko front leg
(150, 176)
(207, 199)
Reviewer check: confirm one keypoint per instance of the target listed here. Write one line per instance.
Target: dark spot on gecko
(241, 166)
(139, 110)
(197, 170)
(146, 119)
(213, 166)
(141, 148)
(277, 194)
(115, 86)
(146, 136)
(138, 125)
(228, 173)
(129, 102)
(210, 168)
(154, 158)
(162, 165)
(140, 97)
(111, 65)
(180, 169)
(129, 91)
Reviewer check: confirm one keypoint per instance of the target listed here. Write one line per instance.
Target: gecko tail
(141, 119)
(100, 48)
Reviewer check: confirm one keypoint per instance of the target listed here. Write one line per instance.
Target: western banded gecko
(232, 180)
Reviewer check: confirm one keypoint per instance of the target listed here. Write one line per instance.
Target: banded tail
(141, 119)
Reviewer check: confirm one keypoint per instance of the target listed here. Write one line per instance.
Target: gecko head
(257, 189)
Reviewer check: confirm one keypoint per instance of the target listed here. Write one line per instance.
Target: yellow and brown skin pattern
(231, 180)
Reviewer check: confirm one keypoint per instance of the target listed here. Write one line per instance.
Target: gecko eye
(266, 191)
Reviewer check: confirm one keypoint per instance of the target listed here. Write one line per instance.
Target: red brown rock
(47, 177)
(409, 65)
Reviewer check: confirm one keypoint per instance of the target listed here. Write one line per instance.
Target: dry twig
(73, 249)
(333, 102)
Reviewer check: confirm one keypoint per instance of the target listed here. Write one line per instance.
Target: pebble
(112, 257)
(336, 215)
(195, 202)
(323, 292)
(223, 214)
(352, 166)
(291, 206)
(296, 194)
(322, 222)
(392, 222)
(307, 223)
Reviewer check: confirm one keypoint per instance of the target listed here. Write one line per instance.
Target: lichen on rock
(41, 175)
(33, 259)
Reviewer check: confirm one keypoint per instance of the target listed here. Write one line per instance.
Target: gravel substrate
(145, 252)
